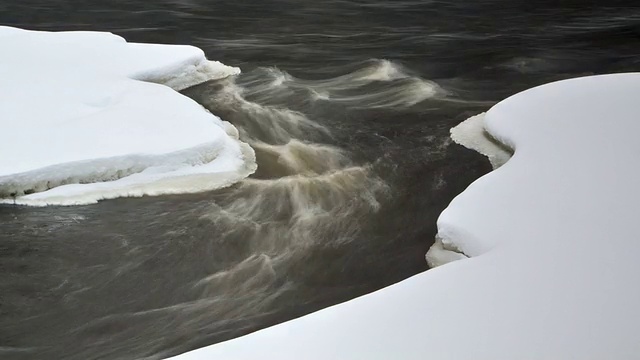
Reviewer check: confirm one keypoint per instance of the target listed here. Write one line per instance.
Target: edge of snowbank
(472, 134)
(112, 84)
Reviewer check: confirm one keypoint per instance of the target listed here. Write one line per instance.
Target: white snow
(553, 237)
(82, 115)
(471, 134)
(443, 252)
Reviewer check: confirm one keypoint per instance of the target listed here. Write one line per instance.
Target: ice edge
(474, 135)
(194, 71)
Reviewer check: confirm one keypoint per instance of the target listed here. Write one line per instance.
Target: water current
(348, 105)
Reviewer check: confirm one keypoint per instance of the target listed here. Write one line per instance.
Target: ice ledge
(138, 185)
(443, 252)
(90, 122)
(473, 135)
(190, 75)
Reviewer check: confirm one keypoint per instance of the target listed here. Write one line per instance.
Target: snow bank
(80, 126)
(472, 135)
(553, 237)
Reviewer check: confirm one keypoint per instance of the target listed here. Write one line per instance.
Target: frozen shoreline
(101, 118)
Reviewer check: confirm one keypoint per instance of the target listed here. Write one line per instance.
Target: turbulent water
(348, 105)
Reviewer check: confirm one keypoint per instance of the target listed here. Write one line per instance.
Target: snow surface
(471, 134)
(443, 252)
(79, 125)
(553, 238)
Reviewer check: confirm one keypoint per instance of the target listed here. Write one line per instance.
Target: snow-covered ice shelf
(552, 237)
(87, 116)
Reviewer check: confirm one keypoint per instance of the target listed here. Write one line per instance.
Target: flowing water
(348, 105)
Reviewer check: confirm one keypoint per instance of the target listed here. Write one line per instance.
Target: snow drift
(87, 116)
(552, 237)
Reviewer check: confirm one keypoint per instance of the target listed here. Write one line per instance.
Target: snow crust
(443, 252)
(472, 135)
(553, 238)
(87, 116)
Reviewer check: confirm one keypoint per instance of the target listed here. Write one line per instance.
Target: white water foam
(378, 85)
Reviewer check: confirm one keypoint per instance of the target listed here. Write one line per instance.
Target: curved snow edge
(182, 184)
(473, 134)
(211, 157)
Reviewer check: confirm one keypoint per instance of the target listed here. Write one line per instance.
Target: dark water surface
(348, 104)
